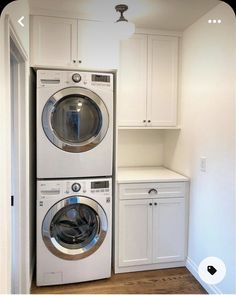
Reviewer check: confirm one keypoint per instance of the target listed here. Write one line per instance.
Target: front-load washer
(73, 230)
(74, 124)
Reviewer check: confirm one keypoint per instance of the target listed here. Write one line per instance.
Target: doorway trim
(22, 281)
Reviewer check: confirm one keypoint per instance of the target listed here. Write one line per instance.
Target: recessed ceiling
(151, 14)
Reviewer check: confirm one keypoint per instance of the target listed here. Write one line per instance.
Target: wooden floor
(165, 281)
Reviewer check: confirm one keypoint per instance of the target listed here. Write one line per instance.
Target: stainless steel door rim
(58, 248)
(67, 145)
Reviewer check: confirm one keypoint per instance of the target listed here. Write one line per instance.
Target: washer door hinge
(12, 201)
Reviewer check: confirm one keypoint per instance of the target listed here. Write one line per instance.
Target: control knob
(76, 77)
(76, 187)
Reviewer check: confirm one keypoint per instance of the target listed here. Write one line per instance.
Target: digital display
(99, 184)
(101, 78)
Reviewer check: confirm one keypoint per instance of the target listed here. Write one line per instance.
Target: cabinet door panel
(132, 82)
(53, 41)
(135, 231)
(97, 46)
(162, 80)
(168, 230)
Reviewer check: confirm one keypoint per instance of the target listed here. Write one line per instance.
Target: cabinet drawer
(151, 190)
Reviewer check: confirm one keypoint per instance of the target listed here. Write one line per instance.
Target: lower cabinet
(168, 230)
(151, 230)
(135, 232)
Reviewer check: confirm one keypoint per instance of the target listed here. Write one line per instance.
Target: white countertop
(148, 174)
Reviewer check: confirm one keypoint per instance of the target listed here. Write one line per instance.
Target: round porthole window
(74, 228)
(75, 119)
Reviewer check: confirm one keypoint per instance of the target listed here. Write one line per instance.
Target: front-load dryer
(74, 124)
(73, 230)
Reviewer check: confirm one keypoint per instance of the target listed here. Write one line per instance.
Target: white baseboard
(193, 268)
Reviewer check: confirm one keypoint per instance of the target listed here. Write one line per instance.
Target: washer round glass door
(74, 227)
(75, 119)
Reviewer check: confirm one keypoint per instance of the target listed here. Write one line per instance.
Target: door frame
(22, 282)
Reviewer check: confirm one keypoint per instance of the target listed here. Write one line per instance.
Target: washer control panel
(100, 186)
(63, 188)
(76, 187)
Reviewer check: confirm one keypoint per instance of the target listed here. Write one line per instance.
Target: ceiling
(174, 15)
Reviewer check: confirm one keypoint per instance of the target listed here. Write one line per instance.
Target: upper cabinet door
(97, 46)
(162, 80)
(132, 82)
(53, 41)
(62, 42)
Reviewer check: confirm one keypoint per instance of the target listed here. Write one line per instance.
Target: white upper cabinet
(162, 80)
(147, 83)
(53, 41)
(132, 82)
(97, 46)
(73, 43)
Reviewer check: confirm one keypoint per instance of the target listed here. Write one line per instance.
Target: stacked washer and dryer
(74, 176)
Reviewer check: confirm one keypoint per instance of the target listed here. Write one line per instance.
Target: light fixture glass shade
(124, 29)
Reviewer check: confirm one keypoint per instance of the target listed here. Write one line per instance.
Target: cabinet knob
(152, 191)
(149, 121)
(80, 61)
(74, 61)
(144, 121)
(155, 203)
(150, 204)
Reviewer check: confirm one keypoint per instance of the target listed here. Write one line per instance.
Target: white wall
(208, 129)
(140, 148)
(15, 10)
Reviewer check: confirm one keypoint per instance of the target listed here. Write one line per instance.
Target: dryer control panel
(62, 79)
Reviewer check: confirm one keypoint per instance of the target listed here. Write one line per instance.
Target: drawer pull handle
(153, 190)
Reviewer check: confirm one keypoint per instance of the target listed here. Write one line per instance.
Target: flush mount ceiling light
(124, 28)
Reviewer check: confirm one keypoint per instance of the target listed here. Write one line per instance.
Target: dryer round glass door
(74, 228)
(75, 119)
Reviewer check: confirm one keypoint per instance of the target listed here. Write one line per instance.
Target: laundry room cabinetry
(135, 236)
(72, 43)
(168, 229)
(151, 231)
(132, 82)
(53, 41)
(148, 81)
(97, 46)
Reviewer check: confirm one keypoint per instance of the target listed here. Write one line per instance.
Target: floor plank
(165, 281)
